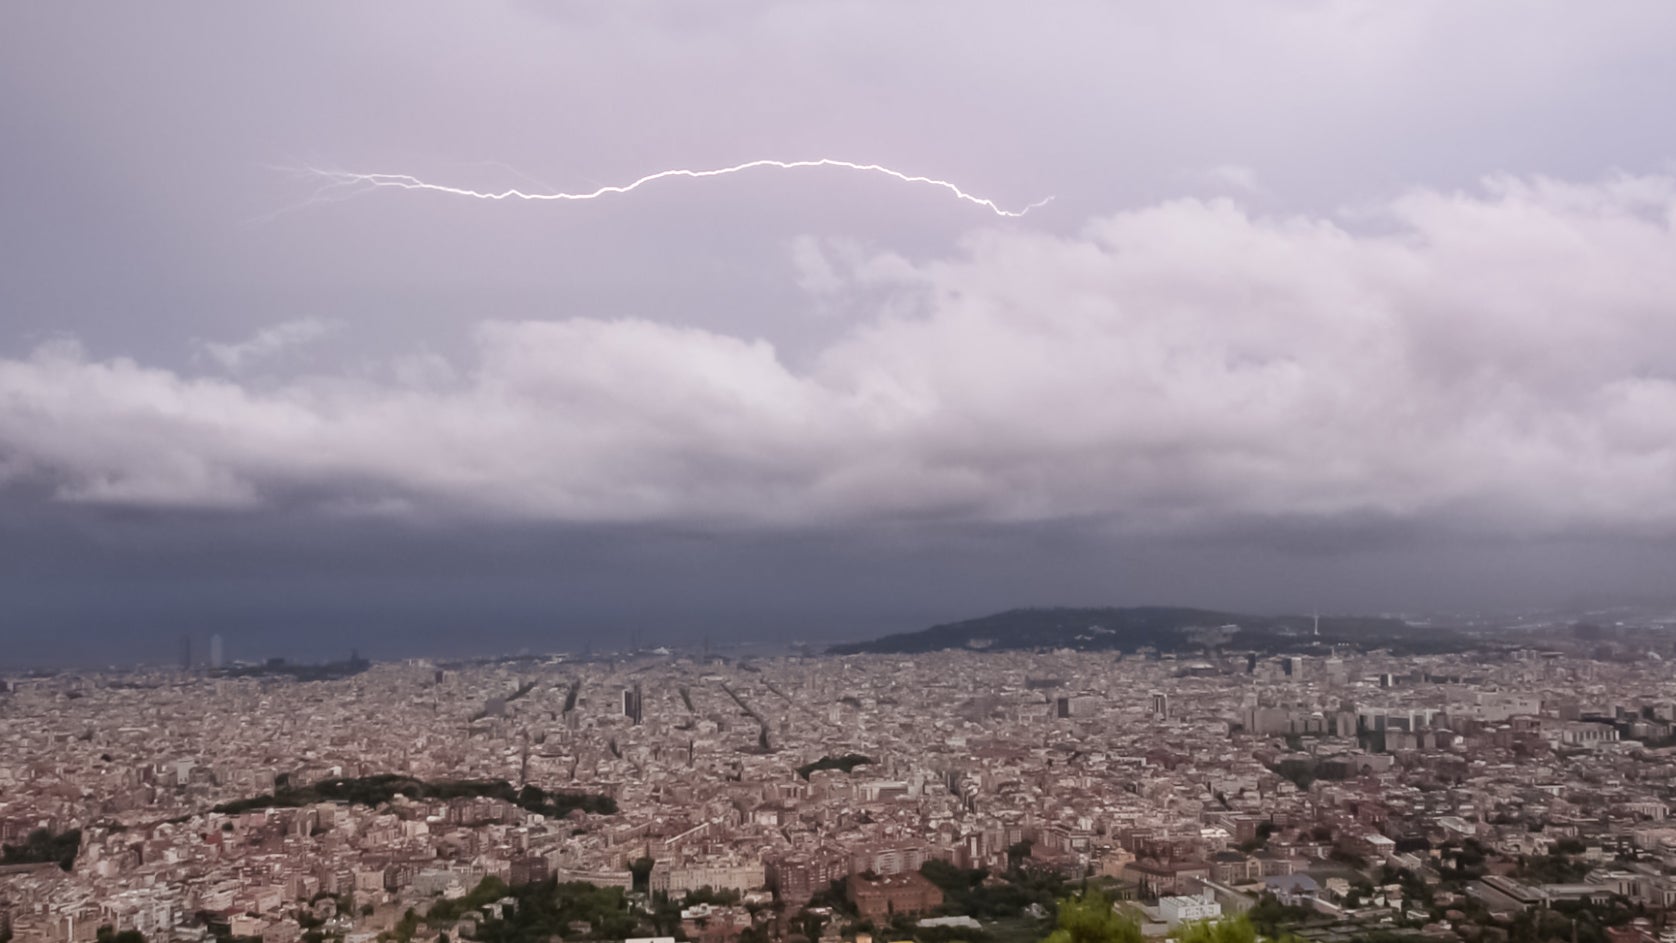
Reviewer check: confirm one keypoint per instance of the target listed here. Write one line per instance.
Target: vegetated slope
(378, 790)
(1165, 628)
(44, 845)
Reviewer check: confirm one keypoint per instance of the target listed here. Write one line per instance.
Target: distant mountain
(1167, 629)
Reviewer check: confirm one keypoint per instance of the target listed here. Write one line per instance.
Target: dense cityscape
(1512, 793)
(960, 471)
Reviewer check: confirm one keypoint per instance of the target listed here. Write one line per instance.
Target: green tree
(725, 897)
(1270, 917)
(1226, 930)
(43, 845)
(405, 928)
(810, 924)
(666, 916)
(835, 896)
(1090, 918)
(1016, 853)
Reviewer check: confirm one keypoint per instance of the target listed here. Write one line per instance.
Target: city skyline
(750, 800)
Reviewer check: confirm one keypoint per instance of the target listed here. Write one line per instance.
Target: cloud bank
(1502, 360)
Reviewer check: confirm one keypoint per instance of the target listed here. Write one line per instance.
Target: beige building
(682, 879)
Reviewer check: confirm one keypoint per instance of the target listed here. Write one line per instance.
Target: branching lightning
(340, 184)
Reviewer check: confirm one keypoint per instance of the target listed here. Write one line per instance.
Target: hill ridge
(1164, 628)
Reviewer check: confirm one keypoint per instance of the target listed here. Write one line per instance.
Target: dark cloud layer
(1354, 304)
(108, 587)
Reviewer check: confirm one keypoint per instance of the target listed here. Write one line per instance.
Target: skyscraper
(217, 656)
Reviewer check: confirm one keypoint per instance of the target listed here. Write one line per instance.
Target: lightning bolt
(340, 184)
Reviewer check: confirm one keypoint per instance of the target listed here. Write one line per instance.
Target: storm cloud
(1349, 303)
(1504, 358)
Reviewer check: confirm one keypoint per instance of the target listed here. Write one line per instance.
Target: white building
(1178, 910)
(718, 876)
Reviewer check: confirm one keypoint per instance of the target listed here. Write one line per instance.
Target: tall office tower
(632, 704)
(217, 654)
(1161, 704)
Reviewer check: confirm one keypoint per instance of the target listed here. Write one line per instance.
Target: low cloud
(1503, 360)
(267, 342)
(1236, 178)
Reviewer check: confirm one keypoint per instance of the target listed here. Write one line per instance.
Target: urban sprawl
(1506, 796)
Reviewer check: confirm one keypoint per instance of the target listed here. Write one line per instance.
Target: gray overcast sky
(1363, 305)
